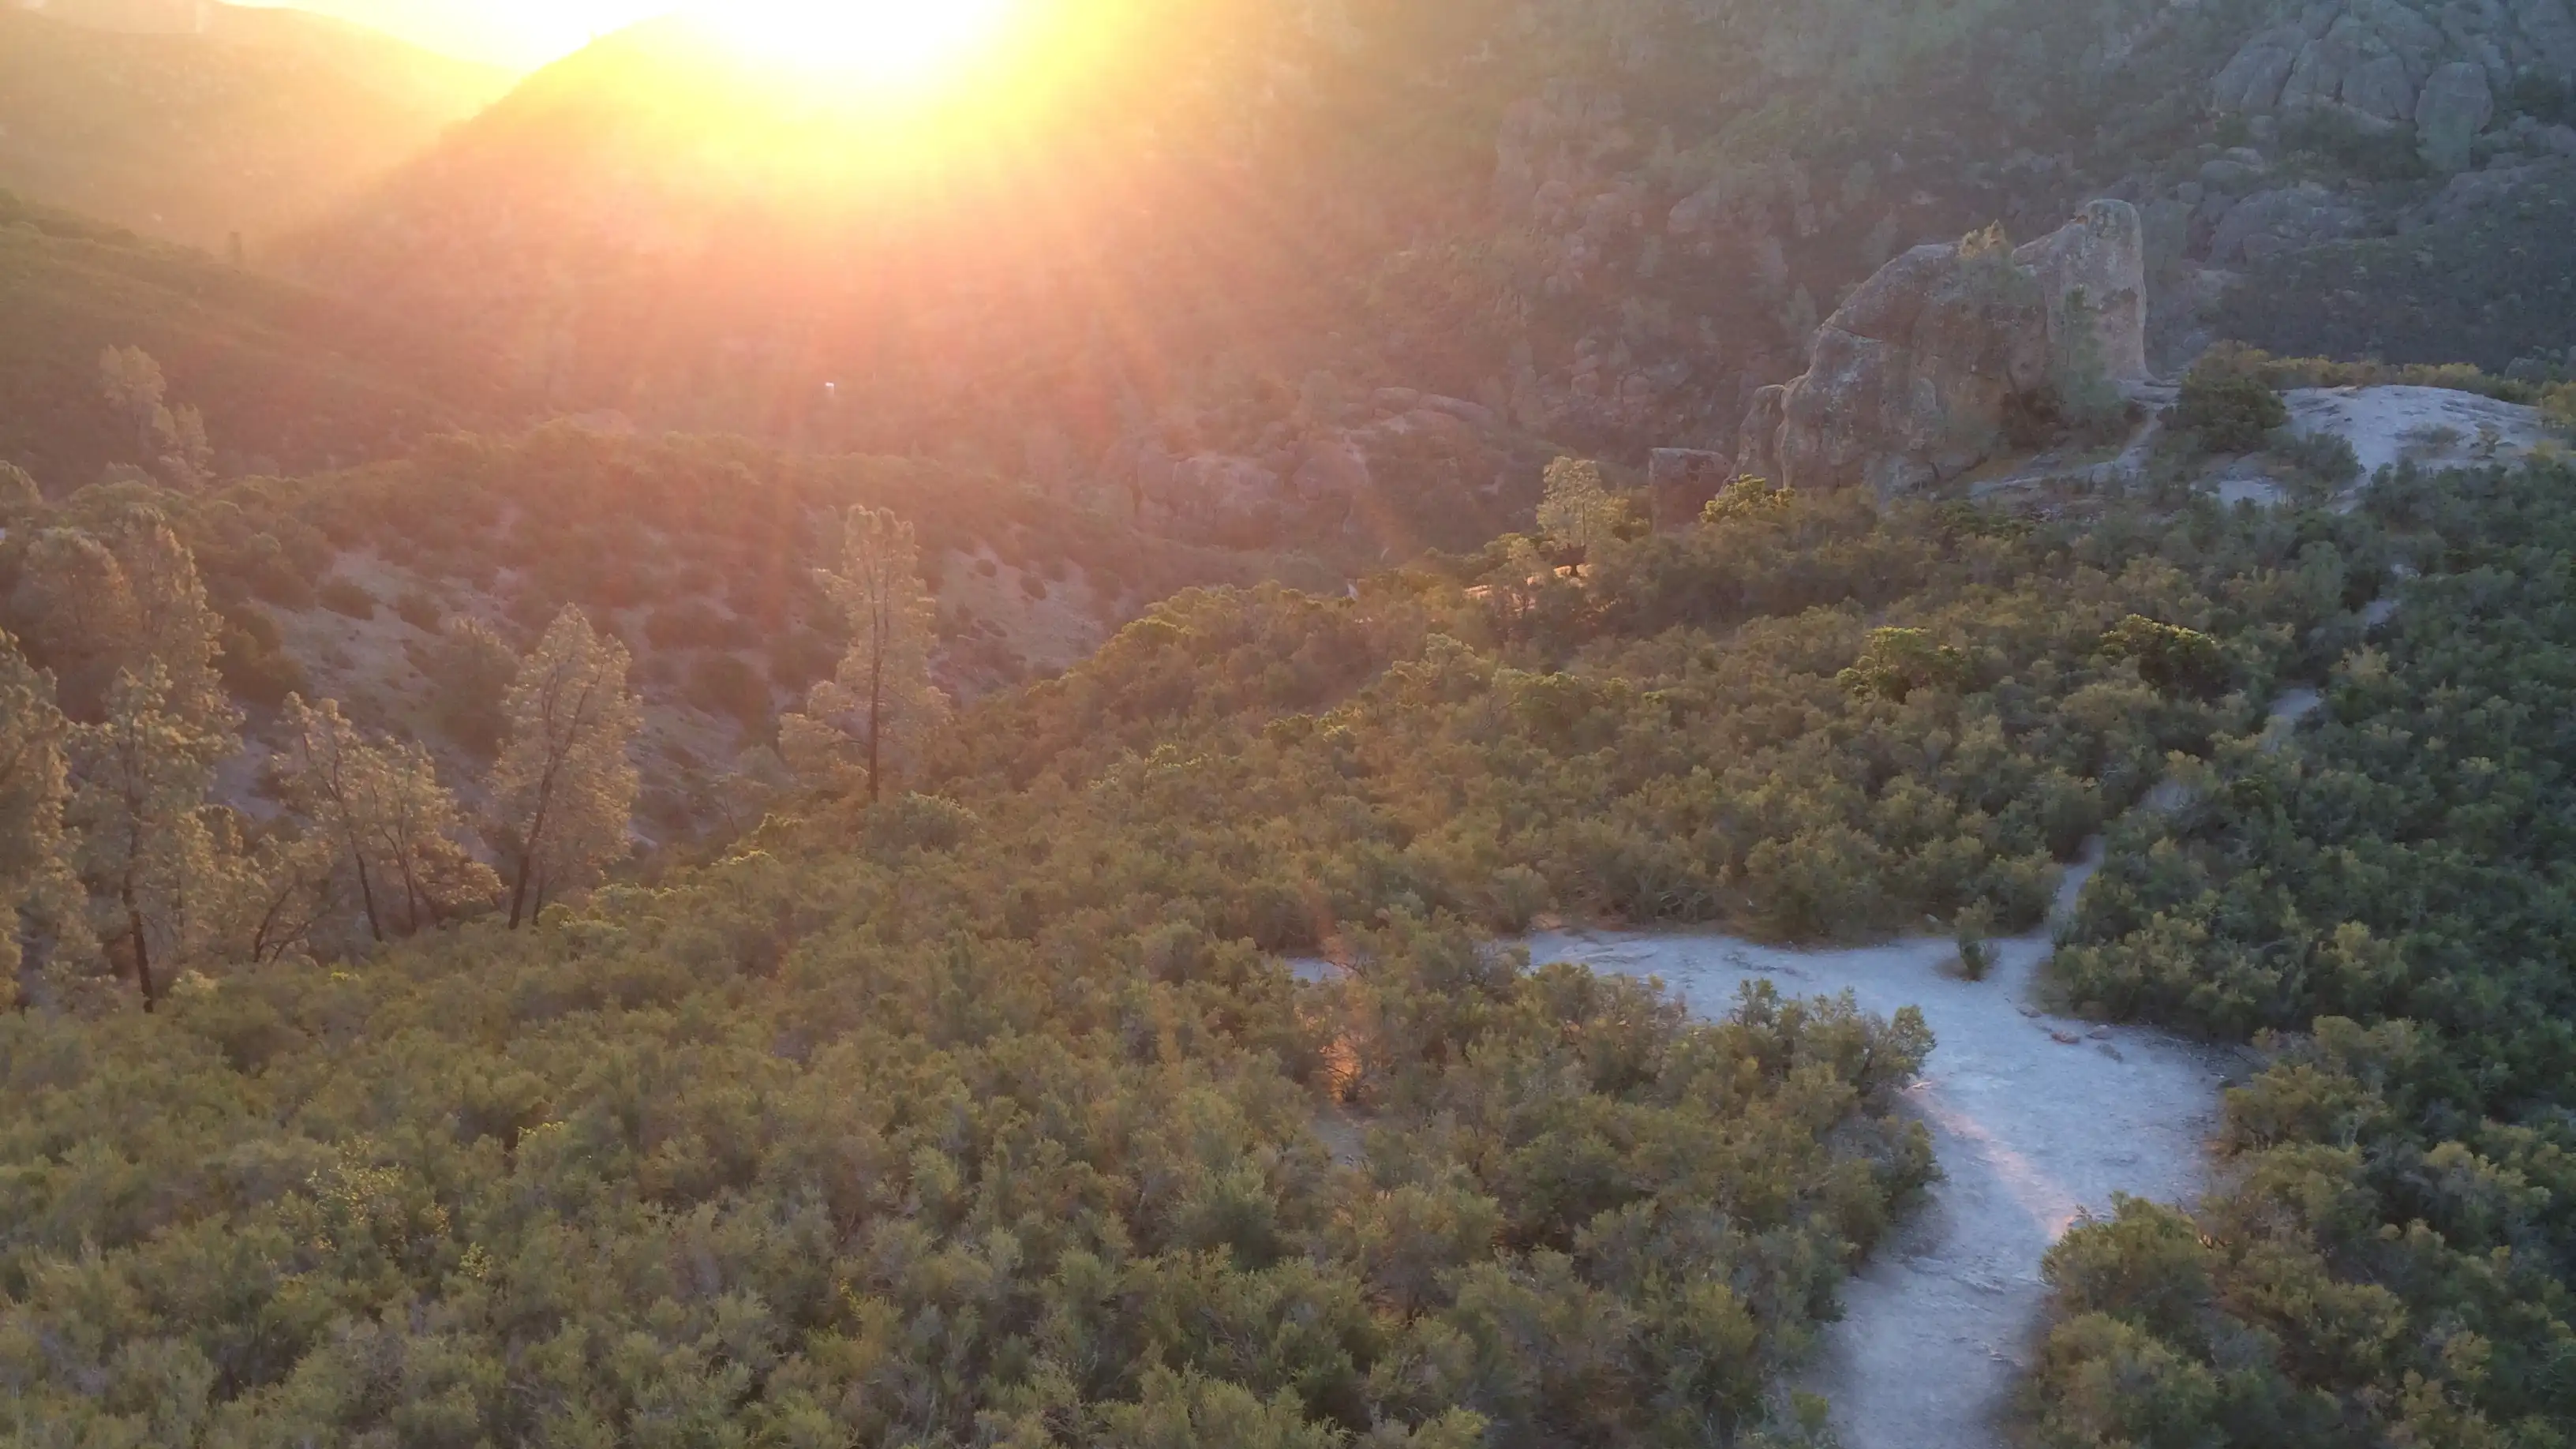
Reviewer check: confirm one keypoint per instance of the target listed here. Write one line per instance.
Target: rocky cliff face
(2383, 65)
(1913, 380)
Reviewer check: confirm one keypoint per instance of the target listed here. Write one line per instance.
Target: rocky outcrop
(2456, 105)
(1557, 173)
(1765, 422)
(2383, 65)
(1911, 381)
(2093, 272)
(1681, 481)
(1334, 465)
(2479, 194)
(2288, 218)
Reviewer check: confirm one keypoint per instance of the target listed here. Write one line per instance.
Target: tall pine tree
(391, 828)
(564, 791)
(880, 705)
(37, 891)
(159, 885)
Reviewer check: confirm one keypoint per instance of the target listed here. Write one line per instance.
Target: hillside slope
(256, 123)
(987, 1113)
(698, 553)
(1605, 226)
(288, 379)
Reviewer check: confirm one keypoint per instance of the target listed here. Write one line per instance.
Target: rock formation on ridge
(1913, 379)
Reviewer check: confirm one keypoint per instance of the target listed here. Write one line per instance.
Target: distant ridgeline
(793, 1076)
(216, 125)
(287, 379)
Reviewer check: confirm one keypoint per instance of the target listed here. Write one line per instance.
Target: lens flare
(886, 43)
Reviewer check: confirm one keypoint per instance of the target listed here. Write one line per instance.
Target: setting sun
(884, 42)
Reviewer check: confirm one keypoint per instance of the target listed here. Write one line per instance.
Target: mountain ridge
(223, 136)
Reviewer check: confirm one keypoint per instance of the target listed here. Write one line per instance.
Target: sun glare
(889, 43)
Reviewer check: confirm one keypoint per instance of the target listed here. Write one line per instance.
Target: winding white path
(2034, 1119)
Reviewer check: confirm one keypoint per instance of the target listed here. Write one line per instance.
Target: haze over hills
(736, 758)
(287, 379)
(508, 33)
(1607, 225)
(202, 123)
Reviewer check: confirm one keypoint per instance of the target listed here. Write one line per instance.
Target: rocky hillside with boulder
(1349, 278)
(2375, 179)
(2438, 74)
(1924, 372)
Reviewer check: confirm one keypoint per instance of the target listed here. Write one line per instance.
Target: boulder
(2456, 105)
(2376, 59)
(1911, 380)
(1334, 465)
(2476, 194)
(2318, 75)
(2235, 173)
(2380, 89)
(1321, 398)
(2415, 41)
(2101, 258)
(1152, 472)
(2252, 81)
(1681, 481)
(2285, 219)
(1757, 453)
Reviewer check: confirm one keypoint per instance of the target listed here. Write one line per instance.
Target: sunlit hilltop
(878, 43)
(1288, 724)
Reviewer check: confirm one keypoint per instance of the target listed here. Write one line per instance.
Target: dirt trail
(2035, 1119)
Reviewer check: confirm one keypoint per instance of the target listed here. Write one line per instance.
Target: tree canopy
(993, 1109)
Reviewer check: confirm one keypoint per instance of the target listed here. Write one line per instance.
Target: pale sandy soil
(1053, 634)
(2287, 711)
(2390, 425)
(2430, 426)
(2036, 1119)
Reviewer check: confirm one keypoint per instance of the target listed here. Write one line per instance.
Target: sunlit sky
(526, 34)
(522, 34)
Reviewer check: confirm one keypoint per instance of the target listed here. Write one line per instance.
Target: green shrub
(801, 656)
(2173, 659)
(1901, 661)
(346, 596)
(2285, 373)
(2390, 898)
(2326, 457)
(416, 608)
(470, 667)
(19, 494)
(2226, 407)
(1975, 925)
(2558, 407)
(722, 684)
(253, 661)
